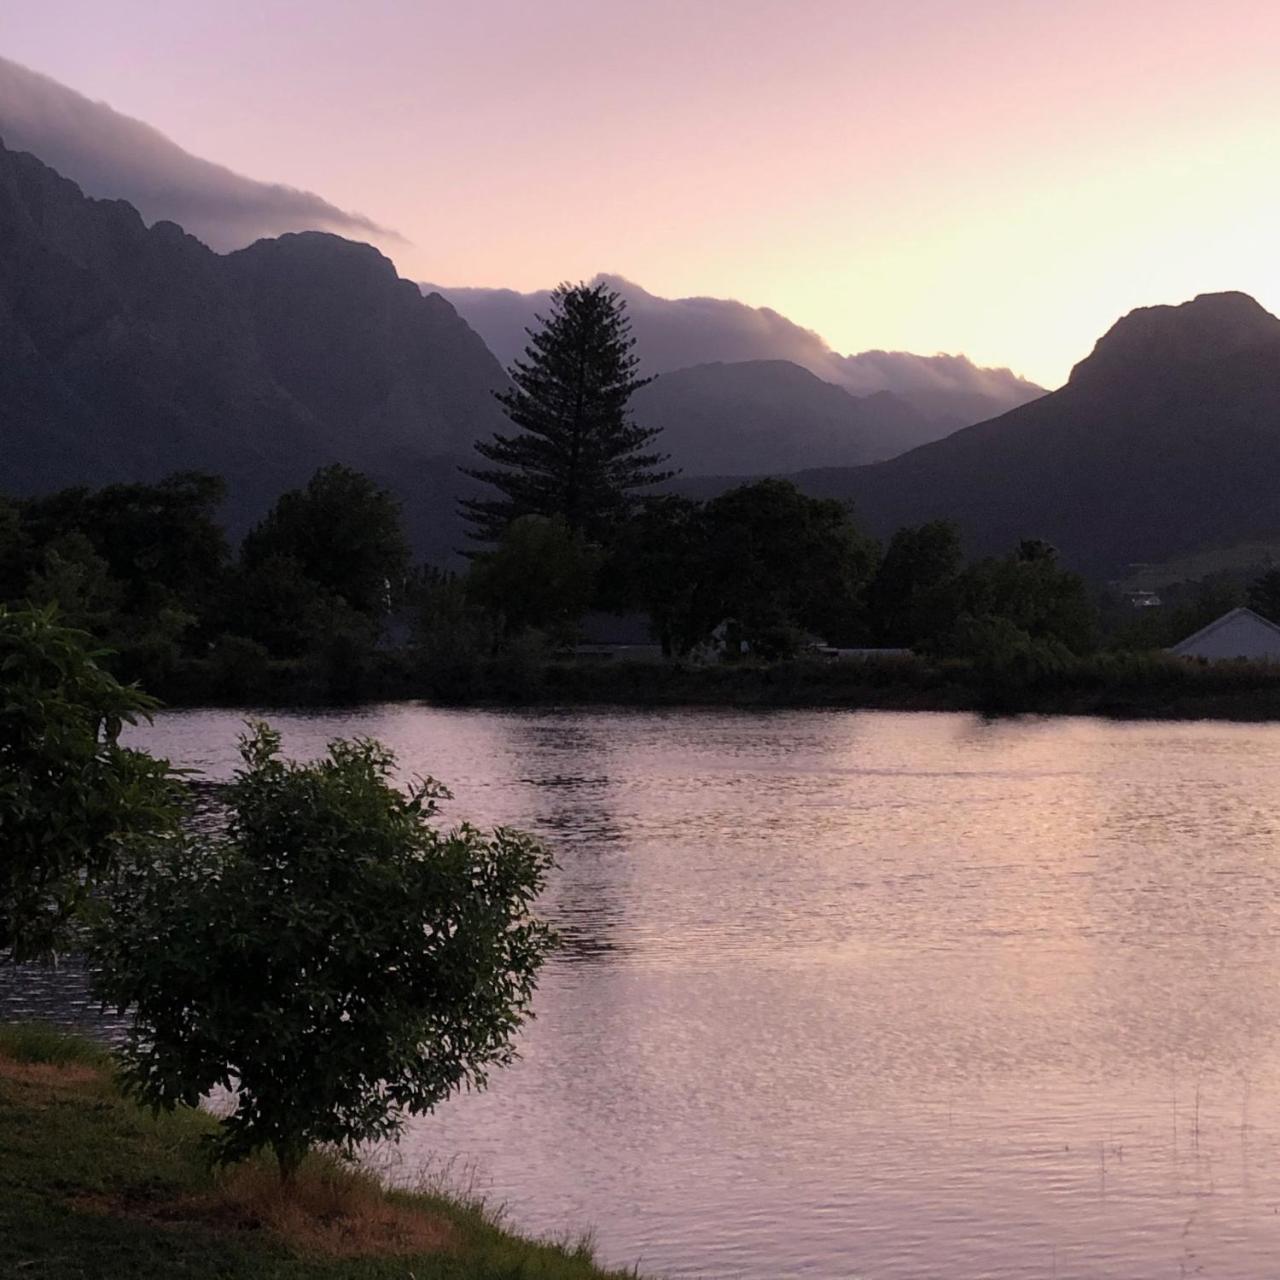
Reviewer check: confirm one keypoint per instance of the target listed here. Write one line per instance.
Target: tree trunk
(288, 1158)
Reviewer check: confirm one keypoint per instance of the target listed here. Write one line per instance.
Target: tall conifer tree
(577, 453)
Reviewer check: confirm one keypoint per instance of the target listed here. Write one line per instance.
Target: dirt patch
(330, 1214)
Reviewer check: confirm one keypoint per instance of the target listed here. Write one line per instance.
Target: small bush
(335, 959)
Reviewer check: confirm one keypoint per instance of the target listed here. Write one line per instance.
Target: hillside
(1164, 440)
(128, 352)
(677, 333)
(772, 415)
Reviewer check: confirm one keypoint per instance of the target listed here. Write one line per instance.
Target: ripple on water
(873, 995)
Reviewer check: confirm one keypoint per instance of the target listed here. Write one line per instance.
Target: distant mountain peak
(1209, 327)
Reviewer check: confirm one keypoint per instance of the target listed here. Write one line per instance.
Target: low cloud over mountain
(674, 333)
(114, 156)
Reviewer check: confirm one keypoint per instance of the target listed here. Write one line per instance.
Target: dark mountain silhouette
(1164, 440)
(128, 352)
(771, 415)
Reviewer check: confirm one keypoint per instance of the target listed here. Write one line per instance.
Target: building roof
(1260, 624)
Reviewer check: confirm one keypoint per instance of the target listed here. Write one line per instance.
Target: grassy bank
(93, 1188)
(1119, 684)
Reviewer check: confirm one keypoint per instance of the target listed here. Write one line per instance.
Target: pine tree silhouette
(577, 454)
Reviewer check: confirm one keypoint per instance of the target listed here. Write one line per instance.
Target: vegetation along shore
(93, 1185)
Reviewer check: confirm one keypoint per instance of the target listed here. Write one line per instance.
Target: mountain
(757, 416)
(127, 352)
(1165, 439)
(676, 333)
(112, 155)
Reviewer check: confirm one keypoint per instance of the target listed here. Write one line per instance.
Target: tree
(1034, 594)
(13, 551)
(72, 576)
(73, 802)
(540, 575)
(334, 958)
(277, 605)
(161, 541)
(1264, 595)
(577, 454)
(913, 596)
(345, 534)
(780, 563)
(661, 563)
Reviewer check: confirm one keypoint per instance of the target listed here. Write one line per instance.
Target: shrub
(238, 667)
(335, 958)
(73, 801)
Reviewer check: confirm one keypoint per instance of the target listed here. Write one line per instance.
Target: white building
(1238, 634)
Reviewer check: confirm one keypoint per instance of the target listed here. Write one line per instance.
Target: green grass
(94, 1188)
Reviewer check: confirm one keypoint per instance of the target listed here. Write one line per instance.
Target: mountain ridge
(128, 352)
(1133, 460)
(678, 333)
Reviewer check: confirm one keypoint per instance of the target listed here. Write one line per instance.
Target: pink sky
(994, 177)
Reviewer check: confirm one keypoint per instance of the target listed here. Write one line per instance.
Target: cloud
(674, 333)
(114, 156)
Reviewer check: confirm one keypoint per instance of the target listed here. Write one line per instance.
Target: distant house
(1238, 634)
(1143, 599)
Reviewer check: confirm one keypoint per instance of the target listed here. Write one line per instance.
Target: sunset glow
(998, 178)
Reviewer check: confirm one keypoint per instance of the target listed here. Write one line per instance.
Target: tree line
(577, 517)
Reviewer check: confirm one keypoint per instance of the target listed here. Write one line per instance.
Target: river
(872, 995)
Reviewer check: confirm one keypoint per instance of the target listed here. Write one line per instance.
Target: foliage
(71, 575)
(540, 575)
(14, 552)
(91, 1185)
(779, 563)
(276, 605)
(73, 802)
(660, 563)
(240, 667)
(1264, 595)
(335, 959)
(1185, 607)
(914, 596)
(343, 532)
(454, 636)
(576, 454)
(1031, 592)
(161, 542)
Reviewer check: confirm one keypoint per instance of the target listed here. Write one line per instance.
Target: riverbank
(94, 1188)
(1117, 685)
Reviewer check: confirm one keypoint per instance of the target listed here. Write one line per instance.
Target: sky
(1003, 178)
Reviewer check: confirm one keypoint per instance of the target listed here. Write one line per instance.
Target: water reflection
(876, 995)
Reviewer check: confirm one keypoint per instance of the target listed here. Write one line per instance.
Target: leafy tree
(240, 667)
(276, 604)
(541, 575)
(13, 551)
(345, 534)
(162, 541)
(454, 636)
(780, 563)
(73, 802)
(914, 596)
(335, 959)
(661, 563)
(577, 454)
(1032, 592)
(72, 576)
(1264, 595)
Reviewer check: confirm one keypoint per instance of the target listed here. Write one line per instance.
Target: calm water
(876, 995)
